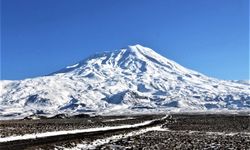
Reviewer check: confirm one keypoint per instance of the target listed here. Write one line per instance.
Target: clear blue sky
(42, 36)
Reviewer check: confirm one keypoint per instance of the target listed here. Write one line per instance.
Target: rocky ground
(21, 127)
(179, 131)
(192, 132)
(210, 123)
(181, 140)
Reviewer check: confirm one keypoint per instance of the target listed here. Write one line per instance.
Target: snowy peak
(133, 79)
(144, 51)
(131, 56)
(135, 58)
(140, 51)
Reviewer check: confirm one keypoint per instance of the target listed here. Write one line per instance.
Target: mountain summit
(131, 80)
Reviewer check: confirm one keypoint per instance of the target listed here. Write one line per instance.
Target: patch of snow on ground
(56, 133)
(99, 142)
(119, 119)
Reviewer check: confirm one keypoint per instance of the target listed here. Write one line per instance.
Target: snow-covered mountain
(133, 79)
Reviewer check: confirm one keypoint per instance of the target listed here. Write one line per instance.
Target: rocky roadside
(21, 127)
(192, 132)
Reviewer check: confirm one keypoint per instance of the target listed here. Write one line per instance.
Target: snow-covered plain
(132, 80)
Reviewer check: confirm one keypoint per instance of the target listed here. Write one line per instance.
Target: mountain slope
(133, 79)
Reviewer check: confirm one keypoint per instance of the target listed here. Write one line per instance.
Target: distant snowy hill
(246, 82)
(131, 80)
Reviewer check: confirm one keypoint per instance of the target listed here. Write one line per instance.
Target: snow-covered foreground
(58, 133)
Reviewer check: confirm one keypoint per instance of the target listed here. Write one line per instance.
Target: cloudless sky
(42, 36)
